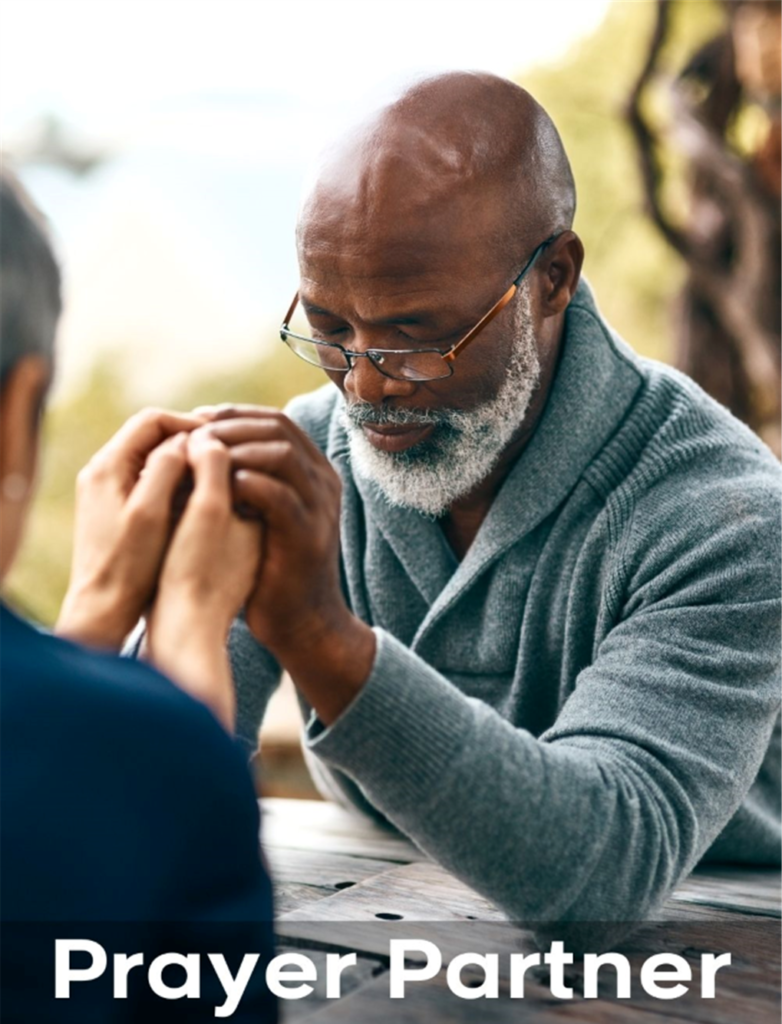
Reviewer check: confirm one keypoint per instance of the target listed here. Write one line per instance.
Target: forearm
(193, 654)
(255, 673)
(474, 793)
(586, 828)
(94, 618)
(331, 663)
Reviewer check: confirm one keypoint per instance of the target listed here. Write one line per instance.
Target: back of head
(29, 279)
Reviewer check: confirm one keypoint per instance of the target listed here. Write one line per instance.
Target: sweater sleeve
(256, 674)
(650, 757)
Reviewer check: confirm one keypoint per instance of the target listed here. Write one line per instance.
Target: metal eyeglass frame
(378, 354)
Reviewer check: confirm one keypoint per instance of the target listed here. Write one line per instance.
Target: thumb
(211, 464)
(163, 471)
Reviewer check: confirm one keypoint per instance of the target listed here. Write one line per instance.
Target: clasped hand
(192, 573)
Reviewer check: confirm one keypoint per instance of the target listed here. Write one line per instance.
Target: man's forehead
(390, 265)
(384, 239)
(405, 266)
(413, 296)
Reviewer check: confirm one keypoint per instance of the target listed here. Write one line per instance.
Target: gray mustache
(360, 413)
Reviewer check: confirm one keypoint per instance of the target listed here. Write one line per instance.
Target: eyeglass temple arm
(461, 345)
(498, 308)
(289, 314)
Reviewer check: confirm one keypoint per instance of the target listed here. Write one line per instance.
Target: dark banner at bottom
(716, 971)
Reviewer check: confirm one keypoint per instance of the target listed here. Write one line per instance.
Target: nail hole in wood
(389, 917)
(471, 917)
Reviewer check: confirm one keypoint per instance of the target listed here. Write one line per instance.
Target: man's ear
(563, 261)
(21, 404)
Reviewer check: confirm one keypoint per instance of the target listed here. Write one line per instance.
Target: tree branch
(647, 142)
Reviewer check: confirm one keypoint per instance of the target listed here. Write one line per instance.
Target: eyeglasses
(400, 364)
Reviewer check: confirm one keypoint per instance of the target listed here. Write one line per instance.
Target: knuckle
(206, 430)
(139, 515)
(218, 456)
(166, 453)
(226, 410)
(96, 470)
(84, 476)
(150, 414)
(284, 451)
(209, 507)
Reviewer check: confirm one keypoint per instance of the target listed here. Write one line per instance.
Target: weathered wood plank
(413, 892)
(318, 825)
(431, 905)
(432, 1002)
(747, 991)
(372, 936)
(303, 877)
(310, 825)
(429, 1002)
(747, 891)
(290, 896)
(315, 867)
(680, 910)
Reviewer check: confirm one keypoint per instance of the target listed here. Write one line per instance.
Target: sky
(109, 65)
(178, 251)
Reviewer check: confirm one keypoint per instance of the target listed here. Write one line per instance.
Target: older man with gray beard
(434, 474)
(525, 582)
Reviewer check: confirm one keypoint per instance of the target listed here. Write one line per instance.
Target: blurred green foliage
(634, 274)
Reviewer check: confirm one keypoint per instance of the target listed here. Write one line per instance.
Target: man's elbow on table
(609, 870)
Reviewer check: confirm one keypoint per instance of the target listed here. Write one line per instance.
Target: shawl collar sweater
(584, 707)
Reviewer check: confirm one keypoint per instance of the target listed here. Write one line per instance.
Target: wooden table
(344, 884)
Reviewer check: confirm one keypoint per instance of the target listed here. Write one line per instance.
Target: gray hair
(30, 300)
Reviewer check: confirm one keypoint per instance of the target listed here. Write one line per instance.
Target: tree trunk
(728, 323)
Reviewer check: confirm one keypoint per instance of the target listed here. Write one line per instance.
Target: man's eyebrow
(393, 321)
(415, 318)
(312, 308)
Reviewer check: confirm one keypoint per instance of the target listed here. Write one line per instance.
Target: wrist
(190, 648)
(204, 674)
(330, 662)
(175, 628)
(94, 618)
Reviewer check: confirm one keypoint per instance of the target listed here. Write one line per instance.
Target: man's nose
(367, 384)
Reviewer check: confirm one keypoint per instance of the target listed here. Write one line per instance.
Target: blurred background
(169, 144)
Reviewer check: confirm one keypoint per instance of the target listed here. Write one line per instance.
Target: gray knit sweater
(579, 711)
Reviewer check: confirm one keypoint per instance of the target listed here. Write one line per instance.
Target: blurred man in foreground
(526, 582)
(128, 815)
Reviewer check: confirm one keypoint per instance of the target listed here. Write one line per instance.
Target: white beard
(464, 447)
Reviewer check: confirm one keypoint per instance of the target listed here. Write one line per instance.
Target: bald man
(525, 582)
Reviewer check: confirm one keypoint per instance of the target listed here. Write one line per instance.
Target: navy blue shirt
(125, 806)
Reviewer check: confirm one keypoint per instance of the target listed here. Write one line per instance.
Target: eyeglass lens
(398, 364)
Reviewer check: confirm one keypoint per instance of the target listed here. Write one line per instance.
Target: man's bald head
(459, 148)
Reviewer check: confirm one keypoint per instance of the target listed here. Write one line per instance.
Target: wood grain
(348, 884)
(316, 825)
(318, 867)
(755, 891)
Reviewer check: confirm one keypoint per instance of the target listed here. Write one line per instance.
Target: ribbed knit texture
(575, 714)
